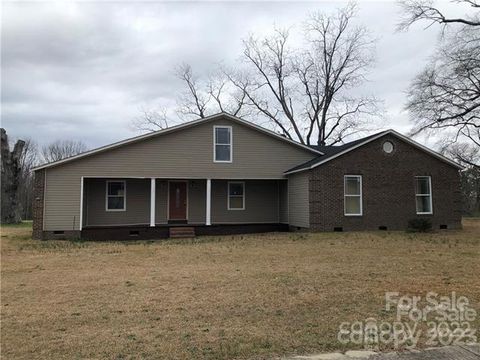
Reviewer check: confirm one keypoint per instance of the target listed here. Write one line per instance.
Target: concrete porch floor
(454, 352)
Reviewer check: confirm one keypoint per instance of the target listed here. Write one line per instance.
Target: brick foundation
(62, 235)
(161, 232)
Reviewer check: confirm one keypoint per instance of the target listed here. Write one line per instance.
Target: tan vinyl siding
(298, 199)
(138, 203)
(137, 210)
(161, 202)
(184, 154)
(283, 201)
(197, 205)
(261, 203)
(62, 201)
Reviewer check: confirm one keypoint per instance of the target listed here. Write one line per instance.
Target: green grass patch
(23, 224)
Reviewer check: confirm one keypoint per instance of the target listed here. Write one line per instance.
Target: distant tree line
(17, 172)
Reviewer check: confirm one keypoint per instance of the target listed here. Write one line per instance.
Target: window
(353, 195)
(236, 196)
(115, 200)
(222, 143)
(388, 147)
(423, 194)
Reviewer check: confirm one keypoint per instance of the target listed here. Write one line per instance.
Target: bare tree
(304, 92)
(200, 98)
(227, 97)
(203, 98)
(193, 101)
(28, 160)
(424, 10)
(468, 155)
(62, 149)
(465, 153)
(10, 179)
(470, 179)
(151, 120)
(446, 94)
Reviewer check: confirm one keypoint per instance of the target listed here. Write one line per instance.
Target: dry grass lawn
(255, 296)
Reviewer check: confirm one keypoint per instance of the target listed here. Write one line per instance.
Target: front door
(177, 200)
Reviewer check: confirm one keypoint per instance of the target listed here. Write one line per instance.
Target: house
(222, 174)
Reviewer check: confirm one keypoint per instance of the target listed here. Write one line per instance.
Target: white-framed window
(353, 195)
(236, 195)
(423, 194)
(222, 144)
(115, 199)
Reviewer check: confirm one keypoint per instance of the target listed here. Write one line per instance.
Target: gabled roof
(332, 152)
(177, 128)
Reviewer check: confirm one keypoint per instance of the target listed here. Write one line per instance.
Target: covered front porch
(149, 207)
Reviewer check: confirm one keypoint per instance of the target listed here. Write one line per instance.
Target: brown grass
(255, 296)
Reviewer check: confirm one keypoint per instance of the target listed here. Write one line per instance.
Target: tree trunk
(477, 199)
(11, 173)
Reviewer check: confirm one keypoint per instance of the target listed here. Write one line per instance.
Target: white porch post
(152, 202)
(209, 202)
(80, 224)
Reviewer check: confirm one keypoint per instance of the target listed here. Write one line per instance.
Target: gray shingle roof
(330, 151)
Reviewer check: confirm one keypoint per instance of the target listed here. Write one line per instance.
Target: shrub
(419, 225)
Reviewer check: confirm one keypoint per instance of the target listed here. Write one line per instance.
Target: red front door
(177, 200)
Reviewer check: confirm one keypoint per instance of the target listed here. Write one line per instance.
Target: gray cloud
(83, 70)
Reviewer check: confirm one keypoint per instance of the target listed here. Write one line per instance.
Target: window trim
(124, 195)
(345, 195)
(215, 143)
(228, 195)
(430, 195)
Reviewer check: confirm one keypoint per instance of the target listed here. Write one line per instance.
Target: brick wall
(37, 206)
(388, 188)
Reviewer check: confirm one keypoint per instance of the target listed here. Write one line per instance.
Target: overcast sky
(84, 70)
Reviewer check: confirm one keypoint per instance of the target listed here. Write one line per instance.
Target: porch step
(182, 232)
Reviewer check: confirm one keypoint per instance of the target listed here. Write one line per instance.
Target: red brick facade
(37, 206)
(388, 188)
